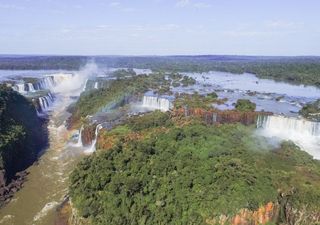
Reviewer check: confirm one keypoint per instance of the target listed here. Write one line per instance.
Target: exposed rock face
(281, 212)
(7, 190)
(88, 134)
(220, 117)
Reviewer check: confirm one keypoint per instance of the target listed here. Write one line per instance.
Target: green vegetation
(197, 101)
(245, 105)
(311, 111)
(116, 93)
(162, 171)
(299, 70)
(21, 133)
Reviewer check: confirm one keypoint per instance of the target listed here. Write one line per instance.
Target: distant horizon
(155, 55)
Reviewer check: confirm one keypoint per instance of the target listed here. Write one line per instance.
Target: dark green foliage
(245, 105)
(21, 133)
(311, 111)
(187, 174)
(212, 95)
(153, 119)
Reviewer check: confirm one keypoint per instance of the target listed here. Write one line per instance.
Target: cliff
(22, 136)
(213, 116)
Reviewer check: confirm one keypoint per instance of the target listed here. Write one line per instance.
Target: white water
(30, 87)
(156, 103)
(20, 88)
(47, 182)
(93, 145)
(45, 102)
(79, 143)
(85, 85)
(96, 85)
(305, 134)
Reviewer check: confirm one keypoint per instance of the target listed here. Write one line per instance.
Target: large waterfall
(155, 102)
(304, 133)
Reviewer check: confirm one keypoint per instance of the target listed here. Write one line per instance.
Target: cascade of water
(45, 102)
(30, 87)
(79, 143)
(20, 88)
(155, 102)
(85, 85)
(304, 133)
(93, 145)
(96, 85)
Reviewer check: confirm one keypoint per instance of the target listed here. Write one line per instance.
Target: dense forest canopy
(21, 132)
(165, 171)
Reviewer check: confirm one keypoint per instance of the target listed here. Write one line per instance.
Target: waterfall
(304, 133)
(96, 85)
(155, 102)
(30, 87)
(85, 85)
(20, 88)
(45, 102)
(93, 145)
(79, 143)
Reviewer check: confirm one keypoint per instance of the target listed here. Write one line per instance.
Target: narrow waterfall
(85, 85)
(93, 145)
(96, 85)
(155, 102)
(79, 143)
(304, 133)
(30, 87)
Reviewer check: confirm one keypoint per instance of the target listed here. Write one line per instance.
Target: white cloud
(10, 6)
(201, 5)
(114, 4)
(198, 5)
(182, 3)
(280, 24)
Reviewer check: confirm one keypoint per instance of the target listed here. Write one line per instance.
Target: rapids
(47, 182)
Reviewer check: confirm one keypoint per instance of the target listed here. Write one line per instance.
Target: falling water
(155, 102)
(304, 133)
(30, 87)
(96, 85)
(85, 85)
(79, 143)
(20, 88)
(93, 145)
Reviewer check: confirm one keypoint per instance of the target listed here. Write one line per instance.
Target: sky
(160, 27)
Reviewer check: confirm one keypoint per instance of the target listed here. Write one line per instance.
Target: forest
(297, 70)
(22, 135)
(158, 169)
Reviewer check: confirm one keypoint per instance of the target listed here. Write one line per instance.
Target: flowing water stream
(47, 182)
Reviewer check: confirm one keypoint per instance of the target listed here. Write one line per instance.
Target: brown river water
(47, 183)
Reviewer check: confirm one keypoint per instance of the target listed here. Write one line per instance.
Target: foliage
(21, 133)
(245, 105)
(197, 101)
(311, 111)
(299, 70)
(188, 173)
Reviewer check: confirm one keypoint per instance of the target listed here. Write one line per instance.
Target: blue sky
(160, 27)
